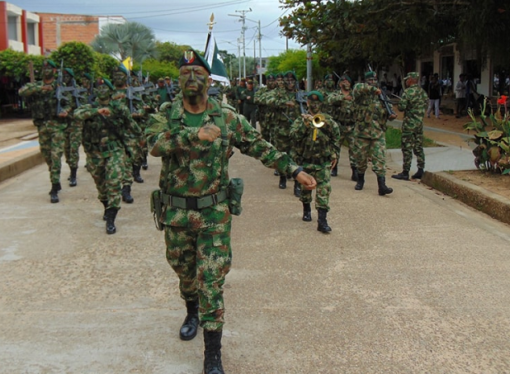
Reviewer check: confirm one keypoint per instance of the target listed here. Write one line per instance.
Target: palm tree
(123, 40)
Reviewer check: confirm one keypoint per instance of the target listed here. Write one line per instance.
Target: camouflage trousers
(201, 259)
(281, 138)
(106, 170)
(375, 149)
(73, 135)
(322, 174)
(136, 157)
(347, 135)
(52, 141)
(412, 142)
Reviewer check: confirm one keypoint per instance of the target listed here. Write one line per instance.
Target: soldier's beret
(370, 74)
(412, 74)
(290, 74)
(315, 95)
(326, 76)
(161, 80)
(191, 57)
(88, 76)
(122, 69)
(279, 75)
(50, 62)
(270, 76)
(345, 77)
(108, 83)
(69, 71)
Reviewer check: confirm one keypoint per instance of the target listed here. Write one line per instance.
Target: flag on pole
(218, 70)
(128, 63)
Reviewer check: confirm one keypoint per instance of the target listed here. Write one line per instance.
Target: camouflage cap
(108, 83)
(327, 76)
(345, 77)
(270, 76)
(167, 78)
(161, 80)
(191, 57)
(290, 74)
(249, 81)
(370, 75)
(315, 96)
(50, 62)
(412, 74)
(122, 69)
(69, 71)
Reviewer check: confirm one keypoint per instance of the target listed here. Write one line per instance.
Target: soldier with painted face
(50, 124)
(413, 103)
(370, 130)
(106, 122)
(316, 148)
(195, 144)
(342, 104)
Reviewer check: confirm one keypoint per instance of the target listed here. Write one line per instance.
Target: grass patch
(394, 139)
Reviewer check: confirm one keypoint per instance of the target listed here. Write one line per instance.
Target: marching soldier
(249, 106)
(263, 110)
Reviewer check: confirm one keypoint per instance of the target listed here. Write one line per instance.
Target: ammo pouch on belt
(235, 192)
(157, 208)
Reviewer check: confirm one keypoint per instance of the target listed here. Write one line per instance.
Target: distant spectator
(460, 95)
(434, 92)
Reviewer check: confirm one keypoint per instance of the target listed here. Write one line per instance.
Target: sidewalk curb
(476, 197)
(20, 164)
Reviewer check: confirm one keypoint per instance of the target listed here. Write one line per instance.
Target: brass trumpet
(318, 121)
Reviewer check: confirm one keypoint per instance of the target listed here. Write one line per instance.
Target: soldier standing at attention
(239, 94)
(370, 130)
(343, 113)
(317, 149)
(413, 103)
(50, 124)
(106, 121)
(195, 145)
(249, 106)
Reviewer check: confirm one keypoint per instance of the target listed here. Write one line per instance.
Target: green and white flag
(218, 70)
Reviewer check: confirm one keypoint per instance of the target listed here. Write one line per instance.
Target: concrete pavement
(413, 282)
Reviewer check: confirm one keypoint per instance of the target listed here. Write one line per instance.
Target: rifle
(170, 90)
(384, 99)
(77, 93)
(300, 98)
(90, 93)
(59, 93)
(131, 94)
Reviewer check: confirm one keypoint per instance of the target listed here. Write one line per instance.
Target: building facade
(20, 30)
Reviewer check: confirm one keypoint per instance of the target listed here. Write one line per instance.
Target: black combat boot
(418, 174)
(276, 173)
(404, 176)
(126, 194)
(354, 175)
(55, 187)
(361, 182)
(72, 177)
(145, 166)
(283, 182)
(383, 189)
(105, 204)
(322, 221)
(297, 189)
(212, 353)
(136, 174)
(189, 327)
(334, 171)
(110, 214)
(307, 212)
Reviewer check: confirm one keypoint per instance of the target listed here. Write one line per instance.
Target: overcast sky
(185, 22)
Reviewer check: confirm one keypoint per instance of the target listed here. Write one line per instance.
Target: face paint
(291, 83)
(314, 106)
(345, 85)
(47, 72)
(372, 81)
(193, 81)
(103, 92)
(119, 79)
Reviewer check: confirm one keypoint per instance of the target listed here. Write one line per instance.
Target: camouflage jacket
(195, 168)
(323, 149)
(414, 103)
(371, 115)
(104, 134)
(277, 102)
(43, 104)
(343, 109)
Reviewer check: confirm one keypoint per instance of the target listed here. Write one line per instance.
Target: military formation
(194, 125)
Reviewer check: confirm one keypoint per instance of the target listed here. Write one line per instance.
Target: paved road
(413, 282)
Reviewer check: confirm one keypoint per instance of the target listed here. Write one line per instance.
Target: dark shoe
(297, 189)
(322, 225)
(383, 189)
(136, 174)
(126, 194)
(354, 175)
(404, 176)
(189, 327)
(110, 214)
(276, 173)
(105, 204)
(72, 178)
(361, 182)
(55, 187)
(418, 174)
(145, 166)
(283, 182)
(334, 171)
(212, 353)
(307, 212)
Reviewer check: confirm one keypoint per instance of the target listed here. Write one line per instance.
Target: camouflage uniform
(51, 128)
(371, 119)
(413, 103)
(263, 110)
(249, 107)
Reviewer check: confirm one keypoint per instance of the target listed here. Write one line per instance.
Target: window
(31, 33)
(12, 22)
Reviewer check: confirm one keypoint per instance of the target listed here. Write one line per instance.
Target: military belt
(194, 203)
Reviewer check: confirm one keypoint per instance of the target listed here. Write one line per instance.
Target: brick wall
(62, 28)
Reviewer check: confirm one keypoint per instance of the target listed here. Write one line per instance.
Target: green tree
(15, 64)
(130, 39)
(157, 69)
(104, 65)
(294, 60)
(75, 55)
(170, 51)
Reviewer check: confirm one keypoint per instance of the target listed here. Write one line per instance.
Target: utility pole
(309, 67)
(260, 55)
(242, 18)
